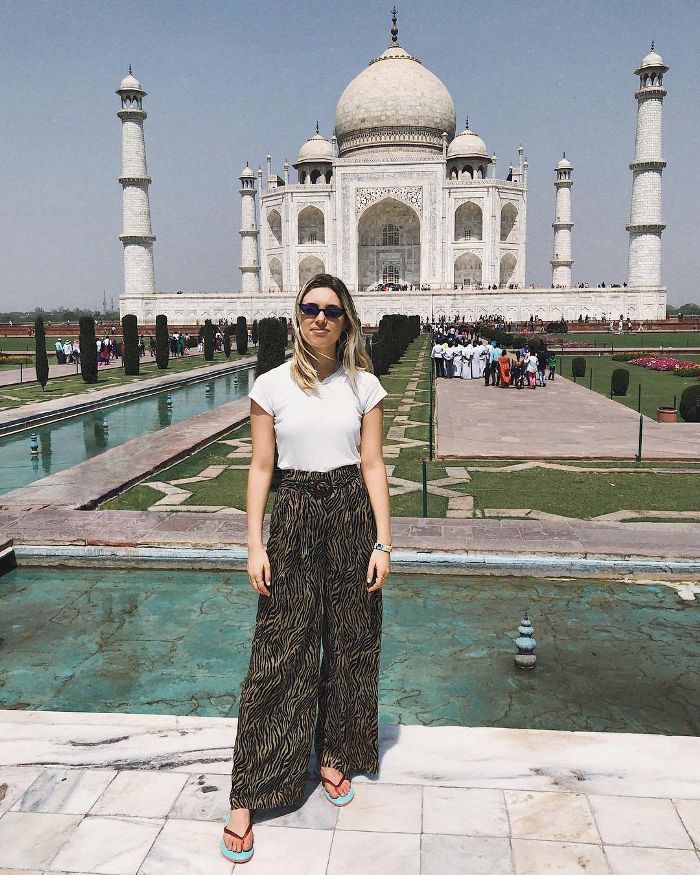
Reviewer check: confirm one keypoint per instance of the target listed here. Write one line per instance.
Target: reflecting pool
(611, 656)
(71, 441)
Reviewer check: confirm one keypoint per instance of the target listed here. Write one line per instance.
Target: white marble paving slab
(689, 810)
(13, 782)
(356, 853)
(383, 808)
(464, 812)
(313, 811)
(280, 849)
(107, 845)
(30, 839)
(204, 797)
(562, 817)
(465, 855)
(65, 791)
(558, 858)
(651, 861)
(651, 823)
(21, 872)
(140, 794)
(187, 847)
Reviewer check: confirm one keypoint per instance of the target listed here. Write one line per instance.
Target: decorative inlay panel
(411, 195)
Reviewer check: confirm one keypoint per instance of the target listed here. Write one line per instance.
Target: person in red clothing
(504, 369)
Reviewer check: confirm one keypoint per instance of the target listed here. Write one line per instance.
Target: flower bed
(664, 363)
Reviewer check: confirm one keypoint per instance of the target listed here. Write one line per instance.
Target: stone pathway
(147, 794)
(563, 421)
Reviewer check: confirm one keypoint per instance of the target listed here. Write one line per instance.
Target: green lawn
(27, 344)
(637, 339)
(575, 493)
(62, 387)
(658, 387)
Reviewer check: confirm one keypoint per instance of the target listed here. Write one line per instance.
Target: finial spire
(652, 45)
(467, 122)
(394, 28)
(564, 155)
(131, 74)
(317, 131)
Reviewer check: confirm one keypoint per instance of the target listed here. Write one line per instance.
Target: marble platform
(123, 794)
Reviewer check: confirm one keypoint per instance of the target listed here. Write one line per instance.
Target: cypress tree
(41, 359)
(273, 341)
(88, 350)
(162, 342)
(227, 342)
(241, 335)
(130, 334)
(208, 341)
(254, 332)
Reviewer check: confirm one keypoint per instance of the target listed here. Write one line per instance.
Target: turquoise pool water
(611, 656)
(71, 441)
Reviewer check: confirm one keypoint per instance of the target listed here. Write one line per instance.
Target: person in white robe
(467, 361)
(483, 357)
(475, 361)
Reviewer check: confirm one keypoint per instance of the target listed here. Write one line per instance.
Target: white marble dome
(653, 59)
(467, 144)
(247, 173)
(316, 149)
(395, 101)
(564, 164)
(130, 83)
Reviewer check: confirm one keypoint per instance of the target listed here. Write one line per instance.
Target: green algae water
(611, 656)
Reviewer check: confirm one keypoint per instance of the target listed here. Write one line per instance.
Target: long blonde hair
(350, 348)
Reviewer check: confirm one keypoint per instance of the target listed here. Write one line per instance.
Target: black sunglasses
(331, 312)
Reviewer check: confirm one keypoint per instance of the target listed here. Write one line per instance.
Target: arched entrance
(388, 235)
(467, 270)
(308, 267)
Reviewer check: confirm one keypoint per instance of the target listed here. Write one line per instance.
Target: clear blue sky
(229, 80)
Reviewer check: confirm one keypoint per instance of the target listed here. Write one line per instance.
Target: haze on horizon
(229, 82)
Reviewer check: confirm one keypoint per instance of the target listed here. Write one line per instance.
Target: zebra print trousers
(322, 531)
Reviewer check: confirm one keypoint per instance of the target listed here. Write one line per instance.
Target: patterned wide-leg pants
(322, 531)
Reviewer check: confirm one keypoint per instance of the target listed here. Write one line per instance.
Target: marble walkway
(146, 794)
(563, 421)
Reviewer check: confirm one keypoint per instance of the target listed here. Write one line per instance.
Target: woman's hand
(378, 570)
(259, 570)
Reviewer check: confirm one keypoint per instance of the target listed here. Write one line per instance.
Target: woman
(504, 369)
(531, 368)
(320, 578)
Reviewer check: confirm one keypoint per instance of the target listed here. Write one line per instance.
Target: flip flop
(237, 856)
(338, 801)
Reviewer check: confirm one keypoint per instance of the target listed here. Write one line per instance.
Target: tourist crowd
(463, 354)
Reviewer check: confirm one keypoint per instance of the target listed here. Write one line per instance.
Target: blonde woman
(320, 577)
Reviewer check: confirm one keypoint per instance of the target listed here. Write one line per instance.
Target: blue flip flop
(237, 856)
(338, 801)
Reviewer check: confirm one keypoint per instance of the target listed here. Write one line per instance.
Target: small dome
(467, 145)
(653, 59)
(130, 83)
(247, 173)
(565, 164)
(316, 149)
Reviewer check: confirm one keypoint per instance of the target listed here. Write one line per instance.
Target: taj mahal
(410, 213)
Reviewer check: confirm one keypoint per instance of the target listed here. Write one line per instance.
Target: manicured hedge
(393, 336)
(578, 367)
(689, 407)
(254, 332)
(162, 342)
(619, 381)
(41, 359)
(88, 349)
(130, 332)
(227, 342)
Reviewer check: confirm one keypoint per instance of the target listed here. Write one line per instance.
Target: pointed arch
(468, 222)
(467, 270)
(276, 282)
(309, 267)
(311, 226)
(507, 268)
(274, 224)
(509, 215)
(388, 233)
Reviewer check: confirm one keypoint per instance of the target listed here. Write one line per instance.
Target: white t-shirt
(318, 430)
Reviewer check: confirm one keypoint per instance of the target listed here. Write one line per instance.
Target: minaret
(137, 237)
(645, 227)
(250, 262)
(562, 224)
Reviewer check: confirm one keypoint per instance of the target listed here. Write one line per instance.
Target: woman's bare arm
(259, 479)
(374, 475)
